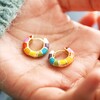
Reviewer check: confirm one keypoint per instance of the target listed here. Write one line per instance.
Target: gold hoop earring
(63, 62)
(33, 53)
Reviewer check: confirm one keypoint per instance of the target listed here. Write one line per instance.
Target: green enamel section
(40, 54)
(56, 63)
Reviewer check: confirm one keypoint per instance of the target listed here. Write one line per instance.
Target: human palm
(26, 78)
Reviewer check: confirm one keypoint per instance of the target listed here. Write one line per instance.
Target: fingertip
(89, 19)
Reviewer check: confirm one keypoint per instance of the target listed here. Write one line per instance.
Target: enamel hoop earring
(63, 62)
(32, 53)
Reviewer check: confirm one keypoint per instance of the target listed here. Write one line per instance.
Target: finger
(98, 22)
(89, 19)
(79, 5)
(87, 89)
(47, 93)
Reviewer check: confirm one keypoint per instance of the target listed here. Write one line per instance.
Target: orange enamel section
(27, 51)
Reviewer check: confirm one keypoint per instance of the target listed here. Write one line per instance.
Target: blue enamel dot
(44, 51)
(51, 60)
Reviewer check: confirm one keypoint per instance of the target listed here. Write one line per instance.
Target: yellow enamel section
(33, 54)
(69, 60)
(62, 62)
(27, 51)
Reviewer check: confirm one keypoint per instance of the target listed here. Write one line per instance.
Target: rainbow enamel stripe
(63, 62)
(33, 53)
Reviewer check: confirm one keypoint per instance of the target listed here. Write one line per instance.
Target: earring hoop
(63, 62)
(32, 53)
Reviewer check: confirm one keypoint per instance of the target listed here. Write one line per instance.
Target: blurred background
(76, 15)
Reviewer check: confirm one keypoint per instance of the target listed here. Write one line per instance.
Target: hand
(34, 79)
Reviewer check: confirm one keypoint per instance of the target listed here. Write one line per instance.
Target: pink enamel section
(70, 50)
(26, 40)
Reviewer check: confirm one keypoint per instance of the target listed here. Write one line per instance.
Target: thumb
(86, 90)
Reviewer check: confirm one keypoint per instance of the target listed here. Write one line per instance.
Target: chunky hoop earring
(63, 62)
(33, 53)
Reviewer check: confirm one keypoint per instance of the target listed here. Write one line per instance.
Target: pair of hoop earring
(45, 48)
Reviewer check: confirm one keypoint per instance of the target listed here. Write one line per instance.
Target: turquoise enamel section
(51, 60)
(44, 51)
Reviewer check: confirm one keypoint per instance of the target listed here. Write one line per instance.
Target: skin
(25, 78)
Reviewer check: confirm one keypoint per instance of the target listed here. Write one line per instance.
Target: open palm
(26, 78)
